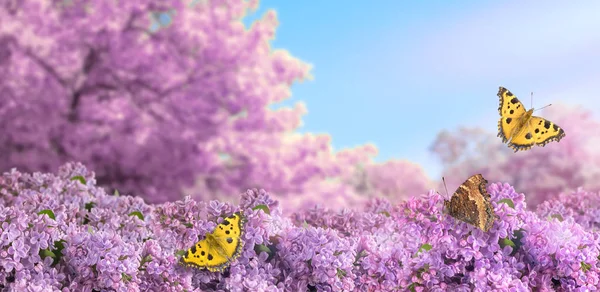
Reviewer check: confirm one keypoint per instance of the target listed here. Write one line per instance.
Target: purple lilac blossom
(581, 206)
(59, 232)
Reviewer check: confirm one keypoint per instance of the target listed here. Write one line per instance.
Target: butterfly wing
(219, 248)
(229, 233)
(461, 208)
(545, 131)
(536, 131)
(204, 254)
(471, 203)
(511, 112)
(522, 140)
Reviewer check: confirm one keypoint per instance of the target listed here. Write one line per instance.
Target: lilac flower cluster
(62, 233)
(581, 206)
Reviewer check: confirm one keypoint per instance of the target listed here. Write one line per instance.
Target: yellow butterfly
(218, 249)
(520, 128)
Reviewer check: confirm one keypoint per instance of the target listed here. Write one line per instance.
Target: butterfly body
(520, 128)
(521, 125)
(218, 249)
(470, 203)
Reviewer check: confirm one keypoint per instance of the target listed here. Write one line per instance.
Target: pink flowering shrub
(542, 172)
(160, 109)
(395, 180)
(59, 232)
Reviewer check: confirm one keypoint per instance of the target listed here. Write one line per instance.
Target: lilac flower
(582, 206)
(63, 234)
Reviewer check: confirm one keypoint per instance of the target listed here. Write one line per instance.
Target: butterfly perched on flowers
(218, 249)
(520, 128)
(471, 203)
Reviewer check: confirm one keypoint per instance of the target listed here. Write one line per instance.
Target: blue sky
(395, 73)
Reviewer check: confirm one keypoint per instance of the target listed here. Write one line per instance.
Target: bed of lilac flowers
(61, 233)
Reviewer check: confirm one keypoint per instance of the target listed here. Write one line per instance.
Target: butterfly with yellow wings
(520, 128)
(218, 249)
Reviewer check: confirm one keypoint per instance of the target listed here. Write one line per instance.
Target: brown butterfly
(471, 203)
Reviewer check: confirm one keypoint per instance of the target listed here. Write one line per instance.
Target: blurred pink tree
(161, 108)
(541, 172)
(395, 180)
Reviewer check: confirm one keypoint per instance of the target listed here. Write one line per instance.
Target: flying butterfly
(520, 128)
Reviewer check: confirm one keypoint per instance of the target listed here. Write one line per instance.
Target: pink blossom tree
(161, 109)
(541, 172)
(396, 180)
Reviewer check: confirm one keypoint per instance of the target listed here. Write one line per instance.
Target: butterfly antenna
(543, 107)
(531, 100)
(444, 181)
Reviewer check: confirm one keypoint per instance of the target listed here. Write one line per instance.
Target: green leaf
(59, 245)
(270, 249)
(412, 286)
(265, 209)
(423, 269)
(181, 252)
(147, 259)
(386, 213)
(509, 202)
(424, 247)
(519, 234)
(360, 255)
(126, 278)
(44, 253)
(585, 267)
(340, 273)
(80, 178)
(54, 253)
(188, 225)
(116, 193)
(47, 212)
(557, 216)
(137, 214)
(515, 243)
(506, 242)
(89, 206)
(261, 248)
